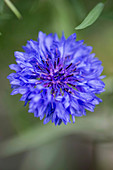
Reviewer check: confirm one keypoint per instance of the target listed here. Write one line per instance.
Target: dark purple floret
(58, 78)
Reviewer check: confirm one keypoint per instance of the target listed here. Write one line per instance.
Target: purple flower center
(57, 75)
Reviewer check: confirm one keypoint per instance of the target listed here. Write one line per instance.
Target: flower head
(57, 77)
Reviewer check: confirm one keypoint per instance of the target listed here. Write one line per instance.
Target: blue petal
(19, 55)
(96, 83)
(15, 82)
(14, 67)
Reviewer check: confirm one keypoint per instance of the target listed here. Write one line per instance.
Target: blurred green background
(25, 143)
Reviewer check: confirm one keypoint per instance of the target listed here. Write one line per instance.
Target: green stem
(13, 8)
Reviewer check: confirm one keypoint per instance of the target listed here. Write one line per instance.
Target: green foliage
(92, 16)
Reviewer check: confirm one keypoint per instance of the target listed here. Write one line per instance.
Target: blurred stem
(13, 8)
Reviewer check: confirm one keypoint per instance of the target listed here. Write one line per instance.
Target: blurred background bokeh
(25, 142)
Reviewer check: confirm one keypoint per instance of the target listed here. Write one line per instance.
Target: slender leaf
(13, 8)
(92, 16)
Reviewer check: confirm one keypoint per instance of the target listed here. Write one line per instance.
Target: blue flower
(57, 77)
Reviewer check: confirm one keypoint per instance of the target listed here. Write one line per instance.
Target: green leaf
(92, 16)
(13, 8)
